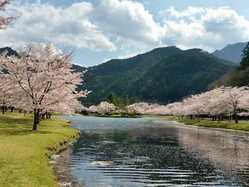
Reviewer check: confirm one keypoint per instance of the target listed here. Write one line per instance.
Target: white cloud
(68, 26)
(207, 28)
(128, 20)
(125, 25)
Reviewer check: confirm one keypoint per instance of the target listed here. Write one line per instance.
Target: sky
(99, 30)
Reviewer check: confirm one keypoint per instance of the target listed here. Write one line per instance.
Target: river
(118, 152)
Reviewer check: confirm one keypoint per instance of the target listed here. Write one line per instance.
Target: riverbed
(120, 152)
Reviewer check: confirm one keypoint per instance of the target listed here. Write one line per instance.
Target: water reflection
(228, 151)
(147, 152)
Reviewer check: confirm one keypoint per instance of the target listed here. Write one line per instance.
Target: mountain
(8, 51)
(240, 76)
(119, 75)
(231, 52)
(162, 75)
(78, 68)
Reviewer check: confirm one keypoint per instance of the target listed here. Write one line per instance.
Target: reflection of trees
(226, 151)
(145, 149)
(199, 151)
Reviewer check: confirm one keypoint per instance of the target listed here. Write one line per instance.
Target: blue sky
(99, 30)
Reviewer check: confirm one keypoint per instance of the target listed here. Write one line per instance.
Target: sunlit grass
(242, 125)
(24, 153)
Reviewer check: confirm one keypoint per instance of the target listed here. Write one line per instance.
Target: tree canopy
(41, 79)
(245, 58)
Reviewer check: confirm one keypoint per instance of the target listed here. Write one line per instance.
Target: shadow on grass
(21, 132)
(14, 121)
(11, 126)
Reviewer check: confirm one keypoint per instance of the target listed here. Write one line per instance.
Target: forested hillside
(162, 75)
(232, 52)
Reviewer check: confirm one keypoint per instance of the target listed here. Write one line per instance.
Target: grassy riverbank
(242, 125)
(24, 154)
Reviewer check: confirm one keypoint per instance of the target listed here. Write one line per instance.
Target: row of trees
(102, 108)
(147, 108)
(40, 80)
(219, 103)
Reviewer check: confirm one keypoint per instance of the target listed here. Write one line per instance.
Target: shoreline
(113, 116)
(27, 154)
(60, 162)
(212, 125)
(61, 166)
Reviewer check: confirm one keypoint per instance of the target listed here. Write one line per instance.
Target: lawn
(24, 154)
(242, 125)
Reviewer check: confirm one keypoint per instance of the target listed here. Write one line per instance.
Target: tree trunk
(3, 110)
(36, 119)
(48, 115)
(235, 116)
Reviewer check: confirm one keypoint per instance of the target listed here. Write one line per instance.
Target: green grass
(242, 125)
(24, 154)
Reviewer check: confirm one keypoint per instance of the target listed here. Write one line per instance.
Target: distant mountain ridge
(231, 52)
(9, 51)
(240, 76)
(162, 75)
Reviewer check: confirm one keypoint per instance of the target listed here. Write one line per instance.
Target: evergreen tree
(245, 58)
(118, 101)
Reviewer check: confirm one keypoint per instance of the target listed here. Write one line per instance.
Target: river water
(117, 152)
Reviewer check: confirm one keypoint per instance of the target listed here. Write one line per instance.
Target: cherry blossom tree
(43, 79)
(216, 103)
(147, 108)
(4, 20)
(92, 109)
(6, 93)
(105, 107)
(176, 109)
(234, 97)
(244, 102)
(157, 109)
(140, 108)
